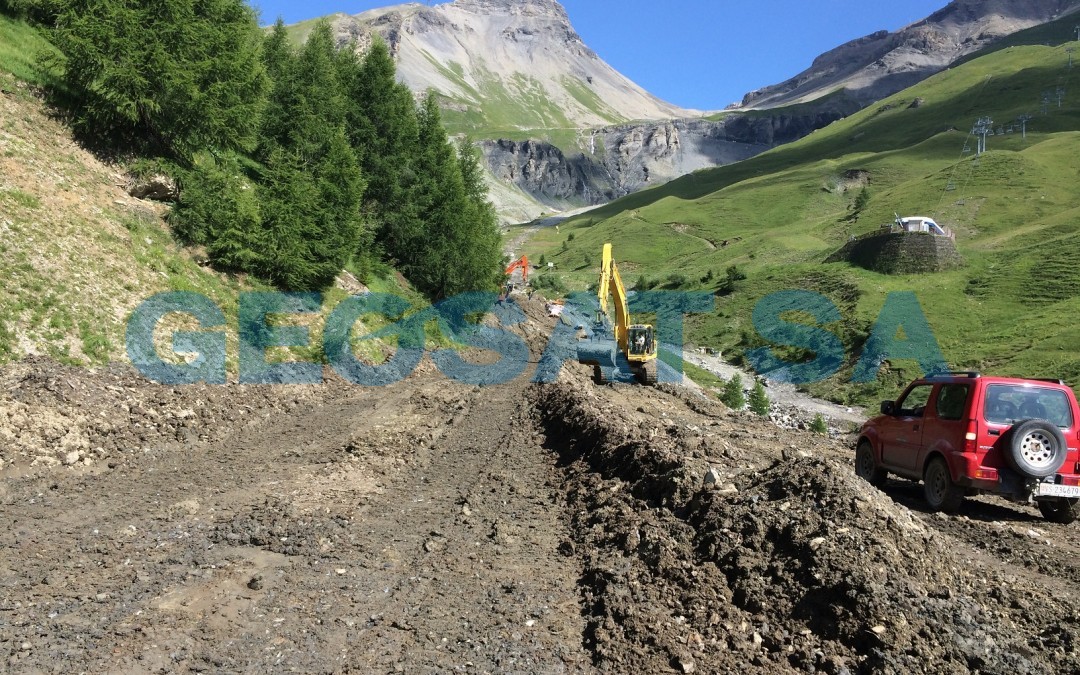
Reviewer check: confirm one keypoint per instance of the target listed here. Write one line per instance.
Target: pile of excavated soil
(779, 559)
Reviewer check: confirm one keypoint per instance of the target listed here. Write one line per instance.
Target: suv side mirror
(887, 407)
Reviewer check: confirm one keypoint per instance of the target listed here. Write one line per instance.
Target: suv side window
(950, 401)
(914, 403)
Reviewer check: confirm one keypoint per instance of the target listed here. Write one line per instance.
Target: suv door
(945, 423)
(901, 432)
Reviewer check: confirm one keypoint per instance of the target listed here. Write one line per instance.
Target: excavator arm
(520, 264)
(611, 285)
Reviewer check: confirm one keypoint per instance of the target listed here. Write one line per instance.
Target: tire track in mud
(415, 527)
(472, 576)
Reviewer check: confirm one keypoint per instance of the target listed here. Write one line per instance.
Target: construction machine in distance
(618, 345)
(522, 264)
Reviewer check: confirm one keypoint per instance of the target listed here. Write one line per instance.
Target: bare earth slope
(436, 527)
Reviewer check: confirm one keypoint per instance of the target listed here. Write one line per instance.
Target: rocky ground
(436, 527)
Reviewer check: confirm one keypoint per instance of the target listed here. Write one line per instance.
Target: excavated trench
(788, 562)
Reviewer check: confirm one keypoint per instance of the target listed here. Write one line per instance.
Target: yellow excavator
(618, 343)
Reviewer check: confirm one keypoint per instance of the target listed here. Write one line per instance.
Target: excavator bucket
(598, 352)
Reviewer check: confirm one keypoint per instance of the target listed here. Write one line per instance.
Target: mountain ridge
(882, 63)
(560, 128)
(505, 65)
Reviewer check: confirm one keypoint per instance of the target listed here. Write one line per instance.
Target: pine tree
(732, 394)
(308, 99)
(383, 130)
(862, 200)
(759, 400)
(218, 207)
(311, 185)
(480, 239)
(278, 60)
(174, 76)
(289, 197)
(431, 260)
(819, 426)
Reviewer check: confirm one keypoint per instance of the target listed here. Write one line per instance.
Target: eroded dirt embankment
(789, 562)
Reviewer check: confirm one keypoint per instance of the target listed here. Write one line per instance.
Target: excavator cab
(641, 340)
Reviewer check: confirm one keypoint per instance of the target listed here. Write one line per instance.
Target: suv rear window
(1008, 403)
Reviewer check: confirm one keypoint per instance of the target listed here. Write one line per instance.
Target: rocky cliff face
(614, 161)
(883, 63)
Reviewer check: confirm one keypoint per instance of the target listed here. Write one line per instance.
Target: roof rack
(1049, 379)
(966, 373)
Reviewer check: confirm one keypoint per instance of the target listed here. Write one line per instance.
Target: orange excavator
(520, 264)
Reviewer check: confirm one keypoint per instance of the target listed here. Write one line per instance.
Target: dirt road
(436, 527)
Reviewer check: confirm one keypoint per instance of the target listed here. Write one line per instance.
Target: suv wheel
(941, 493)
(1036, 448)
(866, 466)
(1062, 511)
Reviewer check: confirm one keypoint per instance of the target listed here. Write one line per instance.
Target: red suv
(965, 434)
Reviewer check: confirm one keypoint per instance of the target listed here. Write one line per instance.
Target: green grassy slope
(21, 49)
(776, 217)
(78, 254)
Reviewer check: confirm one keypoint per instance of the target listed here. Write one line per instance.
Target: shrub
(548, 282)
(732, 395)
(676, 280)
(818, 426)
(759, 400)
(731, 276)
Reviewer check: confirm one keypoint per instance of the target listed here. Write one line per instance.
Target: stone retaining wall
(900, 253)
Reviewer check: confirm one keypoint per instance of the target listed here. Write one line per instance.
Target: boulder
(158, 188)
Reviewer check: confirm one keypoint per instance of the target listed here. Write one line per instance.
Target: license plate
(1052, 490)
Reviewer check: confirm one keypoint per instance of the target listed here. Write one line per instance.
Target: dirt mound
(808, 546)
(779, 559)
(52, 414)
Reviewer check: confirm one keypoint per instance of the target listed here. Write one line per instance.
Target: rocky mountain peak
(550, 8)
(882, 63)
(504, 64)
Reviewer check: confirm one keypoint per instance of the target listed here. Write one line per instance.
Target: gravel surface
(436, 527)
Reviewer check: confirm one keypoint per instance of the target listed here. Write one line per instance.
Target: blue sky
(696, 53)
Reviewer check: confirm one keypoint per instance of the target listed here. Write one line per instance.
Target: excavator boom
(636, 344)
(522, 264)
(611, 284)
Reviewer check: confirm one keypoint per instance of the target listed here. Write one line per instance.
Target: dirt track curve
(435, 527)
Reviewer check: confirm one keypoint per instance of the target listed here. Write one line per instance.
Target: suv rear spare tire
(1035, 448)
